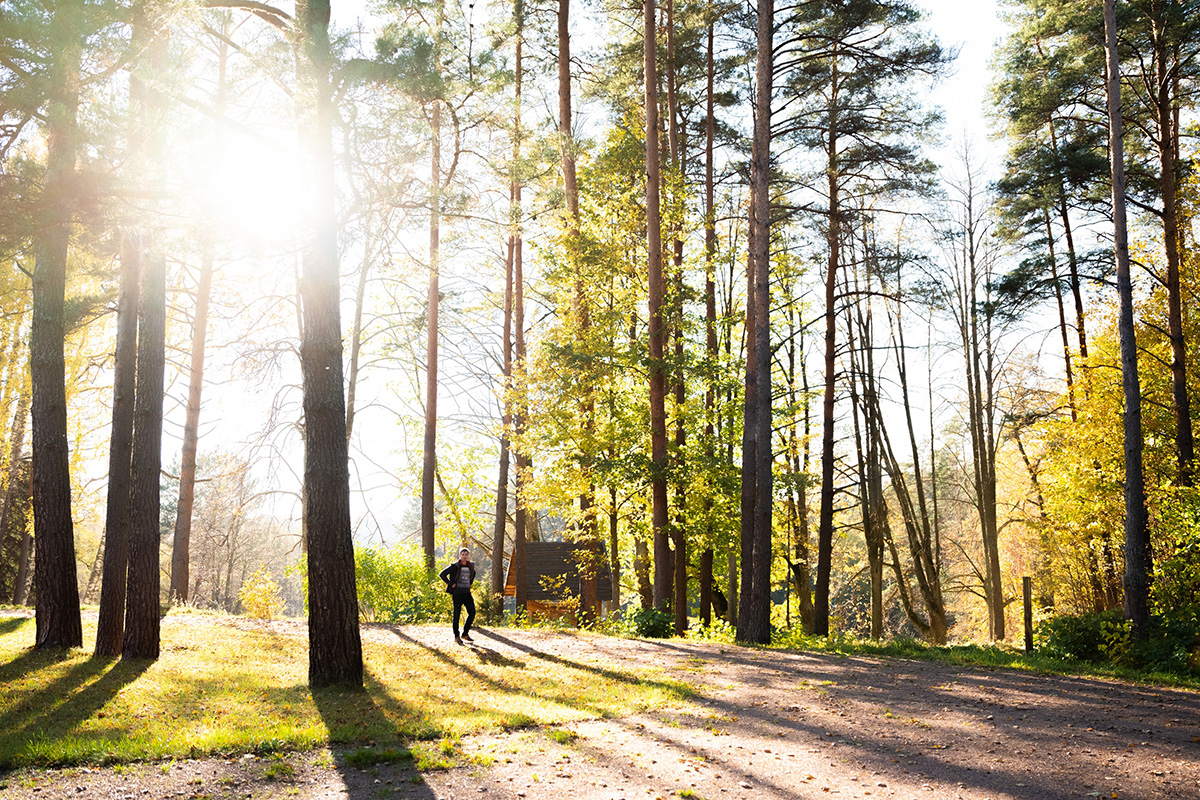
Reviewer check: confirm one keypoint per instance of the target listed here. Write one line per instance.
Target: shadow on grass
(675, 687)
(10, 624)
(369, 749)
(55, 710)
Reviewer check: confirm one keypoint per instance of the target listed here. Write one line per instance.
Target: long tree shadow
(369, 749)
(10, 624)
(675, 687)
(57, 708)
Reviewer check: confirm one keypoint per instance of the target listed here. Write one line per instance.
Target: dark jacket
(450, 574)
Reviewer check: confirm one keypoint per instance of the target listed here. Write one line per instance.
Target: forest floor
(761, 724)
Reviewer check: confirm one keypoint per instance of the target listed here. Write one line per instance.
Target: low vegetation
(225, 686)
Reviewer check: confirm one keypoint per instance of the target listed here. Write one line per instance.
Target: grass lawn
(224, 685)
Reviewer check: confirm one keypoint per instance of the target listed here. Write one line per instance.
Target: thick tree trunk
(657, 332)
(1137, 555)
(110, 626)
(334, 645)
(57, 605)
(141, 639)
(754, 619)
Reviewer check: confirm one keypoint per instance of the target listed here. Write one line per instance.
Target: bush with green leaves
(394, 586)
(652, 623)
(1081, 638)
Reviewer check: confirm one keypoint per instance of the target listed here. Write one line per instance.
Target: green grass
(977, 655)
(221, 687)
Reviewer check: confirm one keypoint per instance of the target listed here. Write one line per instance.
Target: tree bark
(1164, 104)
(335, 648)
(507, 344)
(429, 452)
(1137, 556)
(12, 485)
(825, 521)
(110, 625)
(658, 414)
(141, 639)
(754, 619)
(180, 576)
(57, 606)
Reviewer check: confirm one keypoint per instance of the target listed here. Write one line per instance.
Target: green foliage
(652, 623)
(395, 587)
(1078, 638)
(260, 595)
(1176, 589)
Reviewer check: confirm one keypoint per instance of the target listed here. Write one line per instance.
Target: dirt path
(764, 724)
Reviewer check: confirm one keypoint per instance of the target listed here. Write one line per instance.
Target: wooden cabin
(560, 563)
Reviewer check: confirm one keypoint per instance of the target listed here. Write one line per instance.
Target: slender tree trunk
(110, 626)
(334, 645)
(658, 414)
(12, 485)
(825, 522)
(21, 582)
(1137, 555)
(507, 348)
(180, 575)
(57, 605)
(524, 516)
(710, 319)
(429, 459)
(1062, 316)
(1164, 104)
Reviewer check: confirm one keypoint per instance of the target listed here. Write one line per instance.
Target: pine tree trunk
(55, 581)
(507, 345)
(1164, 105)
(12, 485)
(334, 645)
(658, 414)
(825, 522)
(110, 625)
(754, 620)
(429, 452)
(1137, 555)
(141, 639)
(180, 575)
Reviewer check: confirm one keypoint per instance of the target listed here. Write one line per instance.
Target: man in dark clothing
(458, 577)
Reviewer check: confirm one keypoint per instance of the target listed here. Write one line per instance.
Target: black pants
(463, 599)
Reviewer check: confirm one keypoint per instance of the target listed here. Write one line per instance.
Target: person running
(458, 577)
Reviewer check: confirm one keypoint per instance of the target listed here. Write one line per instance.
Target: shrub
(395, 587)
(260, 595)
(653, 623)
(1081, 638)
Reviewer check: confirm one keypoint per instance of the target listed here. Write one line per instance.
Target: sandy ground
(763, 724)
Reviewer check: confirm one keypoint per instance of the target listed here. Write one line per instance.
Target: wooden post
(1027, 591)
